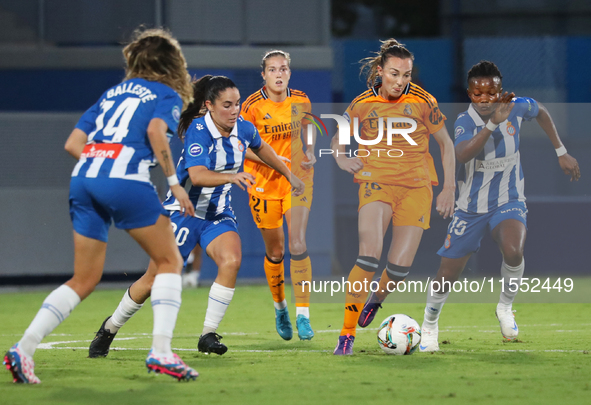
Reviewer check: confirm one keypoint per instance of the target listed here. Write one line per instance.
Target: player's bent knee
(83, 286)
(230, 263)
(297, 247)
(513, 256)
(169, 264)
(275, 257)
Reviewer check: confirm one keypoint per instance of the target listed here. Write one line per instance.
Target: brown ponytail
(209, 88)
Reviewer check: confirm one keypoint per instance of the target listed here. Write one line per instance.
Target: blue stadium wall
(557, 208)
(75, 90)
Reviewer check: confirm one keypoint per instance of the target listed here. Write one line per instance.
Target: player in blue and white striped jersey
(494, 176)
(116, 141)
(205, 146)
(491, 191)
(214, 147)
(117, 146)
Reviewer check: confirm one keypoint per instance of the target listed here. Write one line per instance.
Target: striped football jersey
(494, 177)
(116, 126)
(205, 146)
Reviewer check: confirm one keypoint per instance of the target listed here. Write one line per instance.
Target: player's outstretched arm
(268, 155)
(568, 164)
(445, 199)
(159, 142)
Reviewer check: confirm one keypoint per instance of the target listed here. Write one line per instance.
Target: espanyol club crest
(510, 128)
(176, 113)
(240, 146)
(447, 243)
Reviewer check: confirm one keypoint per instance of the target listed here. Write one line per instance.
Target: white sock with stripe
(435, 302)
(56, 307)
(217, 304)
(127, 307)
(512, 276)
(166, 302)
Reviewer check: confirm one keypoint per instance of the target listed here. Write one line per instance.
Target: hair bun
(388, 44)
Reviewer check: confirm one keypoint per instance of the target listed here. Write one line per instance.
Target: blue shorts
(94, 202)
(190, 231)
(466, 230)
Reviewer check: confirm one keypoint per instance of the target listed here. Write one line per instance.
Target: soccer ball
(399, 334)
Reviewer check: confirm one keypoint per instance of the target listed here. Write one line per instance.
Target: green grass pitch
(550, 363)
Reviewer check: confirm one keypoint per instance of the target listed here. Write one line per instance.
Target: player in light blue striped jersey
(491, 190)
(115, 142)
(215, 144)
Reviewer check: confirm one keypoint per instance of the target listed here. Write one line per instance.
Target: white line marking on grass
(454, 329)
(571, 331)
(544, 351)
(49, 345)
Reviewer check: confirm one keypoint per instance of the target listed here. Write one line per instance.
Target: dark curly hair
(484, 68)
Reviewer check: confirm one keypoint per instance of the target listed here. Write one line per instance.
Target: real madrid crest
(407, 109)
(294, 111)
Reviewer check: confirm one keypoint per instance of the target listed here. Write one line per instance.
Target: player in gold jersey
(278, 113)
(395, 175)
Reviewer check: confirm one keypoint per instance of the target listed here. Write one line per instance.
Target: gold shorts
(268, 214)
(410, 206)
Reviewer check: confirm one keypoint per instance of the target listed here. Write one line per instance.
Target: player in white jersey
(490, 183)
(214, 148)
(116, 141)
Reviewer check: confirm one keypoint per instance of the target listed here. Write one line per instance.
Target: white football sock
(56, 307)
(433, 308)
(217, 304)
(127, 307)
(280, 305)
(515, 273)
(166, 302)
(303, 311)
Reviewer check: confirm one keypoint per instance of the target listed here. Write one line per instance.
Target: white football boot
(506, 319)
(429, 338)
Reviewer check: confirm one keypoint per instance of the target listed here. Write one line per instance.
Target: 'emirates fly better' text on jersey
(280, 125)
